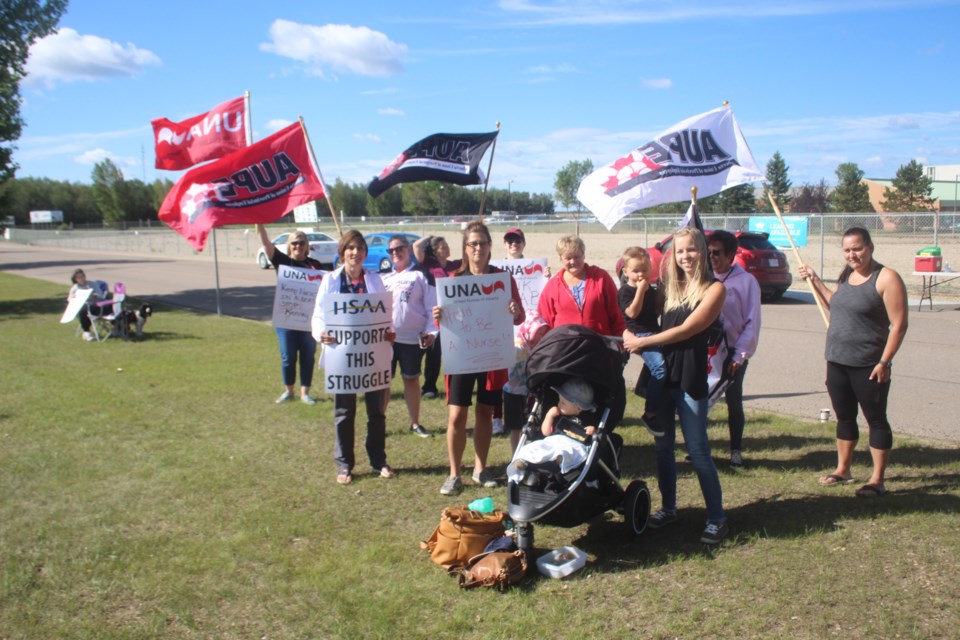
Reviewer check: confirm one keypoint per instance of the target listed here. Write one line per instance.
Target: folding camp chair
(109, 319)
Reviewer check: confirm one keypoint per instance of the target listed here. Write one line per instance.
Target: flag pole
(486, 181)
(323, 185)
(816, 296)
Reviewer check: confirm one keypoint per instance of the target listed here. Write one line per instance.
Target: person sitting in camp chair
(98, 291)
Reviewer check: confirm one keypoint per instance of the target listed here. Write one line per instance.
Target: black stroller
(547, 495)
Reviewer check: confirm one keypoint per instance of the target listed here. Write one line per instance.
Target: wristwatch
(887, 363)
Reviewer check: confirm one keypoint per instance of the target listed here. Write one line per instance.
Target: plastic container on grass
(561, 562)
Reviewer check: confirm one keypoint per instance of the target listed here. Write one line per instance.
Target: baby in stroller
(564, 446)
(573, 365)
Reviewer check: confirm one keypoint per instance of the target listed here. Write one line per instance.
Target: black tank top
(859, 324)
(687, 360)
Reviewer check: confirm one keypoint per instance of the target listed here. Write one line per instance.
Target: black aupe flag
(444, 157)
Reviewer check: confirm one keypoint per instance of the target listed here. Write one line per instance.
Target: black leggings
(851, 386)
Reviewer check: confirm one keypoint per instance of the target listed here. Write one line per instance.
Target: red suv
(756, 255)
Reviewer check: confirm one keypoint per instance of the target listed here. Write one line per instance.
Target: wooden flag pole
(316, 167)
(486, 181)
(816, 295)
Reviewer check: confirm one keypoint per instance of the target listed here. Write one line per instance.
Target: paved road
(786, 376)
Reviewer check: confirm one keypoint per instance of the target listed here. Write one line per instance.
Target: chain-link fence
(897, 237)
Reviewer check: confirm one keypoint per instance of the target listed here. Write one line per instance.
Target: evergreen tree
(911, 190)
(777, 184)
(739, 199)
(22, 22)
(851, 195)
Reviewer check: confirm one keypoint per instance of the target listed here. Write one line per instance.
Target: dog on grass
(136, 319)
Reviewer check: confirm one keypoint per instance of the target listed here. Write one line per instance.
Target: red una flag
(259, 183)
(208, 136)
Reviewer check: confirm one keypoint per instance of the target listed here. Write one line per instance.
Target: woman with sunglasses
(414, 297)
(477, 246)
(295, 346)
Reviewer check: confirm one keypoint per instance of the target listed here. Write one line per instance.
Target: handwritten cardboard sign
(360, 361)
(528, 274)
(475, 324)
(295, 297)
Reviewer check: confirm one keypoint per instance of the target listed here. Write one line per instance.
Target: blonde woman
(580, 293)
(693, 301)
(295, 346)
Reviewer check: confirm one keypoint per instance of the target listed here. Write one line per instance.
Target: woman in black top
(693, 301)
(294, 345)
(868, 321)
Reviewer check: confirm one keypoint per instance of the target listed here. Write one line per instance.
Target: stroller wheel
(637, 506)
(524, 533)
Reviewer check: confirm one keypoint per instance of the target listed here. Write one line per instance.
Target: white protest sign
(76, 303)
(295, 297)
(475, 324)
(360, 360)
(528, 274)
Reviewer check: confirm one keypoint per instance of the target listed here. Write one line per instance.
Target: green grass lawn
(153, 489)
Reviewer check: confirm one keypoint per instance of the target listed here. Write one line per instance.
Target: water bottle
(483, 505)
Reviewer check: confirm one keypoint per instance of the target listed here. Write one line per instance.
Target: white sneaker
(497, 427)
(88, 336)
(308, 399)
(286, 395)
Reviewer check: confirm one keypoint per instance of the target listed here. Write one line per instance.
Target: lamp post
(509, 195)
(441, 201)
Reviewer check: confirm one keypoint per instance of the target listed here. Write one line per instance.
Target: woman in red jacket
(581, 294)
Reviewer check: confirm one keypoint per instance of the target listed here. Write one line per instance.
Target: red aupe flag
(208, 136)
(259, 183)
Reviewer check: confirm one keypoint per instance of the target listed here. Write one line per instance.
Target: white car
(323, 249)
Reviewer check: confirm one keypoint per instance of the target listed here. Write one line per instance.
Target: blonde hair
(298, 235)
(636, 253)
(679, 291)
(570, 244)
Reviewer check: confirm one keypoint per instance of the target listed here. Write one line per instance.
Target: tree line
(113, 199)
(910, 191)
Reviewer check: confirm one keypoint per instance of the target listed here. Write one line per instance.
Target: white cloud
(277, 123)
(657, 83)
(130, 167)
(367, 137)
(600, 12)
(67, 56)
(390, 111)
(553, 68)
(340, 48)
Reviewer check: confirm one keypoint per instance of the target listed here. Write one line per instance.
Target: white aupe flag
(707, 151)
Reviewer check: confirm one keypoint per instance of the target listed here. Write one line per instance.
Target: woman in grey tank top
(868, 321)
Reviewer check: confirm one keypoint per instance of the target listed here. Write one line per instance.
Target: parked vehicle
(323, 249)
(377, 257)
(755, 255)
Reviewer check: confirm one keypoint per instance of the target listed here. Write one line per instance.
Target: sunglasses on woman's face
(297, 243)
(393, 250)
(477, 244)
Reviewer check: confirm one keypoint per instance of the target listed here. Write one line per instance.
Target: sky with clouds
(864, 81)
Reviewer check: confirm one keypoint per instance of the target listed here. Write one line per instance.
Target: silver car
(323, 249)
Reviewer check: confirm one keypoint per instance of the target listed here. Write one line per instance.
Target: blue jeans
(693, 424)
(653, 361)
(735, 417)
(296, 345)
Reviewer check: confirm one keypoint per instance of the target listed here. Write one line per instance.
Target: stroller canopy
(575, 351)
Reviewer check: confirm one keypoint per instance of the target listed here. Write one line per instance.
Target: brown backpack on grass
(494, 569)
